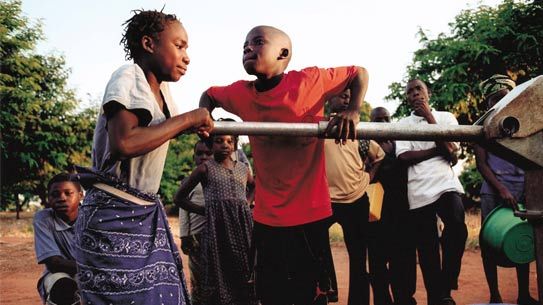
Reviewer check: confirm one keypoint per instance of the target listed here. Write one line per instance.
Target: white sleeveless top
(129, 87)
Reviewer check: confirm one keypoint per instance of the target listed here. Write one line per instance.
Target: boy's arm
(347, 120)
(182, 194)
(374, 169)
(47, 249)
(207, 102)
(129, 139)
(59, 264)
(389, 162)
(376, 156)
(488, 175)
(416, 156)
(446, 149)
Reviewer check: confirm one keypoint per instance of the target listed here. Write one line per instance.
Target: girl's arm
(250, 187)
(182, 194)
(129, 139)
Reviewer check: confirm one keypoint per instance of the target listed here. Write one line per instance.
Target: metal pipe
(365, 130)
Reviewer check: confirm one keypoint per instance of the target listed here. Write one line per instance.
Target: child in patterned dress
(229, 223)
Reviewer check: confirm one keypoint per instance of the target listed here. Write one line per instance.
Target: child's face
(262, 50)
(64, 198)
(417, 92)
(223, 146)
(380, 116)
(201, 153)
(340, 102)
(170, 52)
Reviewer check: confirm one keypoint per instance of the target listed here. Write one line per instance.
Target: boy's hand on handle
(202, 122)
(345, 123)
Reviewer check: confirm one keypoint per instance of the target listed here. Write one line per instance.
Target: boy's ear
(147, 44)
(284, 53)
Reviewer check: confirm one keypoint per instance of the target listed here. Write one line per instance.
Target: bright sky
(378, 35)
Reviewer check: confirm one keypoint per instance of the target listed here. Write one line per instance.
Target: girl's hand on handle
(202, 122)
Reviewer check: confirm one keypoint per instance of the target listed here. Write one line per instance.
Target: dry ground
(19, 271)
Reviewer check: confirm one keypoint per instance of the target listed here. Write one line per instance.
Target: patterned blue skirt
(125, 252)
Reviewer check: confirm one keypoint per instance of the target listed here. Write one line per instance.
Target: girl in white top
(125, 250)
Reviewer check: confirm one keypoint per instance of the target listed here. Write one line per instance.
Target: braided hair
(143, 23)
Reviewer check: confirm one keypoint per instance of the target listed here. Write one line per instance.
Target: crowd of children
(121, 250)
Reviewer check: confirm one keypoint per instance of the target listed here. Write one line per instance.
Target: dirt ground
(19, 270)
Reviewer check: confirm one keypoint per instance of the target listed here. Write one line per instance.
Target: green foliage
(365, 112)
(179, 164)
(484, 41)
(505, 39)
(247, 150)
(471, 179)
(41, 132)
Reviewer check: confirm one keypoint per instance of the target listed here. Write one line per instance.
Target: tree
(484, 41)
(41, 131)
(471, 180)
(179, 164)
(365, 112)
(248, 151)
(505, 39)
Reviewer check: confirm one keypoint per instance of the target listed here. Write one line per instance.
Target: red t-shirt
(291, 184)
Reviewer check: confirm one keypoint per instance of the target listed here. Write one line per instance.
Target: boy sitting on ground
(54, 241)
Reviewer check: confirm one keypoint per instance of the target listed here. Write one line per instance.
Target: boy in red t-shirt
(292, 200)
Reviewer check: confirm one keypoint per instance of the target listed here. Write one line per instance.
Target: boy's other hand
(387, 146)
(202, 122)
(423, 108)
(507, 197)
(345, 123)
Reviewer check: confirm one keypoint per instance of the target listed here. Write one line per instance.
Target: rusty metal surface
(524, 103)
(528, 148)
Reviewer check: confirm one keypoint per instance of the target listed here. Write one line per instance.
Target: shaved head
(276, 33)
(266, 51)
